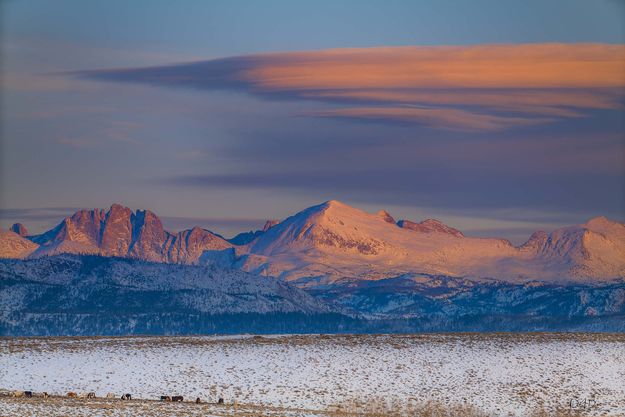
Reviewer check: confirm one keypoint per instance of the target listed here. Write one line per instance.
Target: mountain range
(329, 268)
(334, 241)
(72, 294)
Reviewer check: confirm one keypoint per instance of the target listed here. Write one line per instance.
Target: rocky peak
(602, 223)
(536, 242)
(429, 226)
(118, 210)
(84, 226)
(117, 232)
(269, 224)
(19, 229)
(189, 245)
(386, 216)
(435, 225)
(195, 231)
(148, 235)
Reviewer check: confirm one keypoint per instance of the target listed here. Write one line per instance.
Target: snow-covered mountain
(335, 240)
(419, 295)
(93, 295)
(223, 290)
(332, 241)
(94, 292)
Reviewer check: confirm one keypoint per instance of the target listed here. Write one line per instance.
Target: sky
(498, 118)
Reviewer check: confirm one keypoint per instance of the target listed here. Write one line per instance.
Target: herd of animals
(89, 395)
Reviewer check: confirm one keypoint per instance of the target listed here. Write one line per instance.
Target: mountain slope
(416, 295)
(98, 288)
(246, 237)
(94, 295)
(13, 245)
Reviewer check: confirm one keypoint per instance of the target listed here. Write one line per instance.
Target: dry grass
(72, 407)
(397, 341)
(386, 408)
(390, 408)
(559, 413)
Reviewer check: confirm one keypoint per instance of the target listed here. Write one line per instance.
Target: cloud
(190, 155)
(489, 66)
(563, 173)
(500, 86)
(447, 118)
(24, 82)
(117, 131)
(565, 103)
(36, 214)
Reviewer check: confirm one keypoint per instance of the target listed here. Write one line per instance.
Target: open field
(500, 374)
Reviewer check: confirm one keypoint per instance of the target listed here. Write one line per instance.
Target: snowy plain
(503, 374)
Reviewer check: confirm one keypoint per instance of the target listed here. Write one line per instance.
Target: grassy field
(536, 374)
(72, 407)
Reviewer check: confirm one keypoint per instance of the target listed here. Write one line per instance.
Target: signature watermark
(579, 404)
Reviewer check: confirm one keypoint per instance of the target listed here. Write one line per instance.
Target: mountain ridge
(75, 295)
(332, 241)
(122, 232)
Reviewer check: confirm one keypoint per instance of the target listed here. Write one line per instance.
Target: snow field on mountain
(502, 374)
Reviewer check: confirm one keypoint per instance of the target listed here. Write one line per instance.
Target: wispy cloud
(36, 214)
(447, 118)
(498, 86)
(563, 102)
(191, 155)
(27, 82)
(117, 132)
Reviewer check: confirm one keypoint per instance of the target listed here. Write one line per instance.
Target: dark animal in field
(177, 398)
(197, 400)
(220, 400)
(72, 395)
(126, 397)
(28, 394)
(45, 394)
(91, 395)
(166, 398)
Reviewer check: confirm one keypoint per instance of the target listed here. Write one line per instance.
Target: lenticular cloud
(499, 86)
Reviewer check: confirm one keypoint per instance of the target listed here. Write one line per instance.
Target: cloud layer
(478, 88)
(467, 129)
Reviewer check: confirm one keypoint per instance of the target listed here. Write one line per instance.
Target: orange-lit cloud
(490, 66)
(484, 87)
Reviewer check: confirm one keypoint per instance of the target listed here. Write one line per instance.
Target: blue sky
(227, 158)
